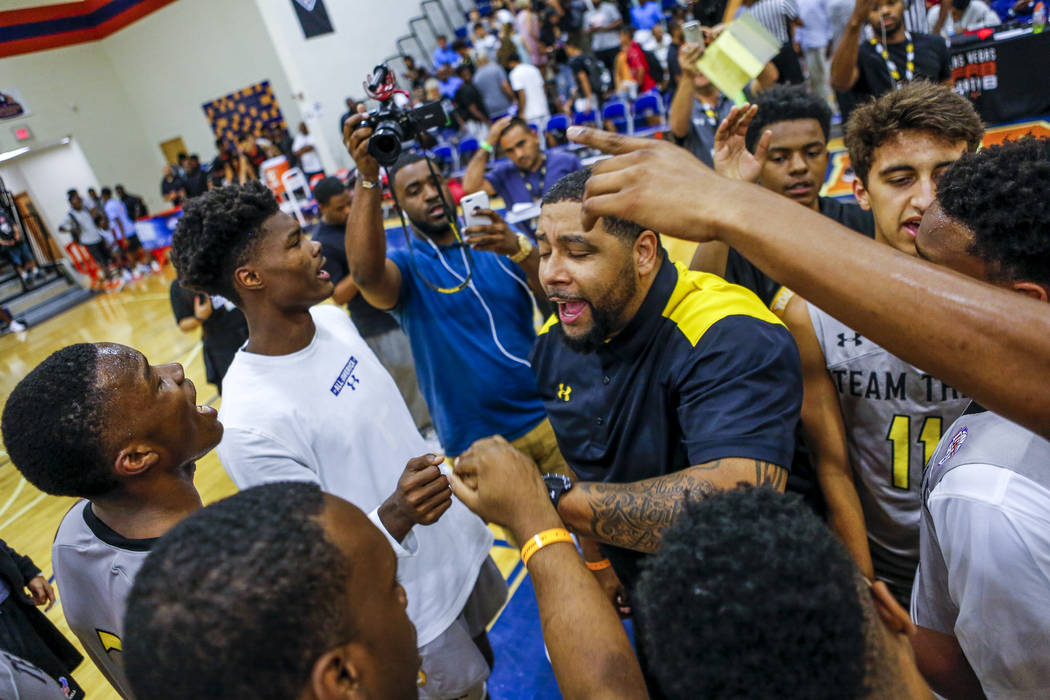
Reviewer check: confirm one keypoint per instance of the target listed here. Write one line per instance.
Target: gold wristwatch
(524, 249)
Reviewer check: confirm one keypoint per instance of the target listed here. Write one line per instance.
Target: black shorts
(100, 252)
(131, 243)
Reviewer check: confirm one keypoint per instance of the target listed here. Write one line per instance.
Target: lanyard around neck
(543, 180)
(891, 66)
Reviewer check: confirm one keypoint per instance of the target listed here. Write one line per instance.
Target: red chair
(84, 263)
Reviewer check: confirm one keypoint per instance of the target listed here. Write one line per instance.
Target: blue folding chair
(585, 118)
(559, 122)
(467, 148)
(617, 114)
(446, 155)
(646, 106)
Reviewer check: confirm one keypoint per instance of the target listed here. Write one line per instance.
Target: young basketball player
(99, 422)
(872, 420)
(306, 399)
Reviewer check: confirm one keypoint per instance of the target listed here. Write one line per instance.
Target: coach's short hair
(238, 601)
(216, 235)
(917, 106)
(1002, 194)
(751, 596)
(782, 103)
(53, 425)
(571, 188)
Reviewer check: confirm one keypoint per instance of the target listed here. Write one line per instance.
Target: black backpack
(656, 70)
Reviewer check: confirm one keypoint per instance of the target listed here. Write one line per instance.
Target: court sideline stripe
(22, 511)
(18, 490)
(521, 574)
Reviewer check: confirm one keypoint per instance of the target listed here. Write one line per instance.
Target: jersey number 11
(899, 437)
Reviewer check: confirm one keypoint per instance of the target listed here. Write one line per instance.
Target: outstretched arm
(502, 485)
(634, 515)
(990, 343)
(377, 276)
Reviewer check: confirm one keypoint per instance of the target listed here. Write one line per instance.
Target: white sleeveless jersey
(894, 416)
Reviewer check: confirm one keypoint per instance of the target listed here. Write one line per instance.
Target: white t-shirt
(976, 16)
(331, 414)
(603, 15)
(116, 211)
(309, 162)
(83, 220)
(528, 78)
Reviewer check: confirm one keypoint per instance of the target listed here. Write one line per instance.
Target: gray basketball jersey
(21, 680)
(94, 569)
(894, 416)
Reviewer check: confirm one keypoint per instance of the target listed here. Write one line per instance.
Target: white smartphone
(470, 202)
(693, 33)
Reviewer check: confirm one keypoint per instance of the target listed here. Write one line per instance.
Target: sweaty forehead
(119, 370)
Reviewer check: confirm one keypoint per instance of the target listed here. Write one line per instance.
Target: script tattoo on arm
(634, 515)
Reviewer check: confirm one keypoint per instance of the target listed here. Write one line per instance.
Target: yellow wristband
(541, 540)
(598, 565)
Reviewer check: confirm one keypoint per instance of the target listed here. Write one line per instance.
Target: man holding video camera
(467, 311)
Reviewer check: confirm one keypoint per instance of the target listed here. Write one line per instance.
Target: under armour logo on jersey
(564, 392)
(855, 339)
(346, 377)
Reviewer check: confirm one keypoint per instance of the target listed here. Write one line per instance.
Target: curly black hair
(751, 596)
(239, 600)
(216, 235)
(53, 425)
(571, 188)
(782, 103)
(1002, 194)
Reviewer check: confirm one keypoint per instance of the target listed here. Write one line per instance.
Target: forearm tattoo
(634, 515)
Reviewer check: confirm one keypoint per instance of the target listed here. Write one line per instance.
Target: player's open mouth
(911, 227)
(323, 275)
(570, 311)
(436, 212)
(207, 411)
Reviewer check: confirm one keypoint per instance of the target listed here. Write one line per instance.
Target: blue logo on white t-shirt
(346, 377)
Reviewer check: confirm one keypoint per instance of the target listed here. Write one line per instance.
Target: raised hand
(731, 157)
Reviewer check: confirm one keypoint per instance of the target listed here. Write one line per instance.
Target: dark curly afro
(1002, 194)
(216, 235)
(751, 596)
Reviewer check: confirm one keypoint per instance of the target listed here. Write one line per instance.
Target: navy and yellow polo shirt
(703, 371)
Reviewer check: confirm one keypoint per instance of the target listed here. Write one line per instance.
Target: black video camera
(392, 125)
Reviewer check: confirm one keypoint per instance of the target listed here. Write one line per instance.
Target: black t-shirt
(196, 183)
(369, 320)
(589, 66)
(172, 184)
(740, 270)
(136, 207)
(467, 95)
(223, 333)
(932, 61)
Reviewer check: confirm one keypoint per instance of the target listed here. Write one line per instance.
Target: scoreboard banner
(1004, 75)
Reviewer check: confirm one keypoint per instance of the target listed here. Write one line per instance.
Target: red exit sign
(22, 133)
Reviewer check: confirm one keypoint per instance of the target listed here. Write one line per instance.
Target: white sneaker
(155, 266)
(15, 326)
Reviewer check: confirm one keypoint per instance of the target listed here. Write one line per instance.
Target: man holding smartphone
(527, 174)
(698, 107)
(467, 313)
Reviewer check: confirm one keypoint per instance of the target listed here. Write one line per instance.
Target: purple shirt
(509, 183)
